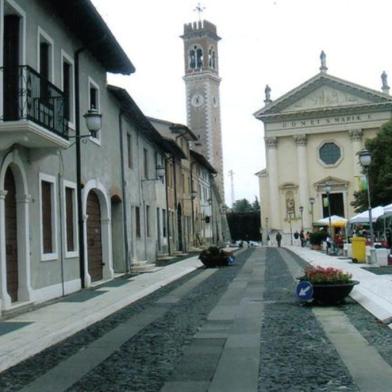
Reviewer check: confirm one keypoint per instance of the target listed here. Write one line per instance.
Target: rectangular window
(44, 71)
(148, 229)
(46, 204)
(48, 222)
(45, 68)
(67, 90)
(145, 163)
(70, 221)
(164, 223)
(93, 97)
(137, 221)
(129, 150)
(94, 103)
(67, 84)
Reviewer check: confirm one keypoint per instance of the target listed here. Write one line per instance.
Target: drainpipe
(167, 206)
(175, 194)
(78, 169)
(192, 205)
(61, 246)
(124, 191)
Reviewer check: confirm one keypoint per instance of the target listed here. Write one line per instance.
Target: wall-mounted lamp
(93, 124)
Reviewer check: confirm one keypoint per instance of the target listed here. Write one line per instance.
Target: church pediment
(323, 92)
(325, 97)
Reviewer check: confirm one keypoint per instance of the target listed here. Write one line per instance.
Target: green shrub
(317, 237)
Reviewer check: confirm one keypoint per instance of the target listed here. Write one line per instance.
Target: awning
(363, 217)
(336, 221)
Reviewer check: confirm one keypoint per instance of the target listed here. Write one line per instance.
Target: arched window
(192, 59)
(211, 58)
(195, 57)
(199, 54)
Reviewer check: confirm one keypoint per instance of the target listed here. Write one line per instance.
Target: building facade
(72, 210)
(312, 137)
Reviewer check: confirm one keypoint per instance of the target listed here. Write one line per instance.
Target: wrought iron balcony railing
(29, 96)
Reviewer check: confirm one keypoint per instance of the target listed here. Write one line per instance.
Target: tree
(256, 205)
(380, 171)
(242, 205)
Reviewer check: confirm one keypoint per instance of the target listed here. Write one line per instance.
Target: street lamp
(301, 211)
(291, 230)
(311, 201)
(327, 189)
(365, 159)
(266, 230)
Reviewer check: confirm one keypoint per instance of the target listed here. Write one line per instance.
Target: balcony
(33, 112)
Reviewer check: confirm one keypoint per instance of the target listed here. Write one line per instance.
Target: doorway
(11, 231)
(94, 237)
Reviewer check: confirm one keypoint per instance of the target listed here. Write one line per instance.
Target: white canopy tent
(363, 217)
(388, 210)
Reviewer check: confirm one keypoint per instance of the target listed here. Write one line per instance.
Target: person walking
(278, 238)
(302, 238)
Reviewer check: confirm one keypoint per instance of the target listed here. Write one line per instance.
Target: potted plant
(316, 238)
(330, 285)
(215, 257)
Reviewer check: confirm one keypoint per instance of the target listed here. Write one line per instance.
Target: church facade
(312, 137)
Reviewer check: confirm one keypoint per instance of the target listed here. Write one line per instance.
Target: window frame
(66, 58)
(75, 252)
(138, 231)
(44, 37)
(91, 83)
(145, 163)
(52, 180)
(129, 150)
(322, 144)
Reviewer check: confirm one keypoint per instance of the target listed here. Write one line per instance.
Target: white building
(312, 136)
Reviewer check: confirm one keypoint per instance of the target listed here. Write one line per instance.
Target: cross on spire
(199, 9)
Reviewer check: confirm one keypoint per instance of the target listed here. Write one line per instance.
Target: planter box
(332, 294)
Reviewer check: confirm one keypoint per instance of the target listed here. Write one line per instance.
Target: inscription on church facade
(326, 121)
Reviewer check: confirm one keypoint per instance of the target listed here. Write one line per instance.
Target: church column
(271, 144)
(356, 140)
(303, 182)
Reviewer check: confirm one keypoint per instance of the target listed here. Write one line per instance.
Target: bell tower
(202, 92)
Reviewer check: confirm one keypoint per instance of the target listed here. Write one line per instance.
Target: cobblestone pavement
(297, 352)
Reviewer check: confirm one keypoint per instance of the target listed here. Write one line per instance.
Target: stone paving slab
(55, 322)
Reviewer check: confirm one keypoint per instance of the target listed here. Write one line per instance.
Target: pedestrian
(278, 238)
(296, 236)
(302, 237)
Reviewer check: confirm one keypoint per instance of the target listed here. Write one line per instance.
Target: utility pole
(231, 175)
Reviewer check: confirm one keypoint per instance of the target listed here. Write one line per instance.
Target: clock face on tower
(197, 100)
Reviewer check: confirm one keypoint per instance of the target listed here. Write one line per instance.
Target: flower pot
(316, 247)
(214, 261)
(332, 294)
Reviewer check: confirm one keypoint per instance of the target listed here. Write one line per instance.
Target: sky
(274, 42)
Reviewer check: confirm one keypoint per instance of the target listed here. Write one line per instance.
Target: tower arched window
(211, 58)
(196, 58)
(192, 59)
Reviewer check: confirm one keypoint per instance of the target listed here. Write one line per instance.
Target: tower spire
(199, 9)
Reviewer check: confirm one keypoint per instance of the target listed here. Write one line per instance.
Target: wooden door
(94, 239)
(11, 236)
